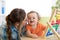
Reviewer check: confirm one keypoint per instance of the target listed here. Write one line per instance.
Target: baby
(34, 29)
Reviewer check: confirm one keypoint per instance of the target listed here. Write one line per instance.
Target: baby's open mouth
(31, 21)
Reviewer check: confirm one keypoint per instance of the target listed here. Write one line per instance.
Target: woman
(14, 22)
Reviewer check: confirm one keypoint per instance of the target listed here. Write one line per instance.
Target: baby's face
(32, 18)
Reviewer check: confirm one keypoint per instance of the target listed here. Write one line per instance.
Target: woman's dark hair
(16, 15)
(34, 12)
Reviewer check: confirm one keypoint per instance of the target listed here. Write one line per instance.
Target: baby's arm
(29, 34)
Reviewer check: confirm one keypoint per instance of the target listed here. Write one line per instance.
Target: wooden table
(52, 37)
(27, 38)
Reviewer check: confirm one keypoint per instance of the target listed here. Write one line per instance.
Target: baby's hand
(34, 36)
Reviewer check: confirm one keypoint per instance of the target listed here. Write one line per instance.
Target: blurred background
(43, 7)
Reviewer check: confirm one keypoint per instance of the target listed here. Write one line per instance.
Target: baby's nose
(31, 19)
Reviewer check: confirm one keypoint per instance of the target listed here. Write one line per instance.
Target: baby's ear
(39, 17)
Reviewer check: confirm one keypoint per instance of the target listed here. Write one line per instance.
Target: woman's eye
(29, 18)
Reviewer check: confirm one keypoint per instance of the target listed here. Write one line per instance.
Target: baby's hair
(34, 12)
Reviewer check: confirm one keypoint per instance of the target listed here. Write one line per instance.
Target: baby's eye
(33, 17)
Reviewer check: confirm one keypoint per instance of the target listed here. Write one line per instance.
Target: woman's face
(32, 19)
(25, 21)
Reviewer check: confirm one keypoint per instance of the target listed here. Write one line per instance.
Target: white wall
(43, 7)
(2, 16)
(0, 7)
(0, 13)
